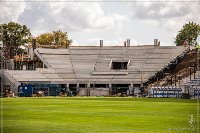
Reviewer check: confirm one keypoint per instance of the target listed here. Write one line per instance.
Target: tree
(45, 39)
(188, 34)
(13, 35)
(58, 38)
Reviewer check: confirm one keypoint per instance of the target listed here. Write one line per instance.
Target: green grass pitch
(98, 115)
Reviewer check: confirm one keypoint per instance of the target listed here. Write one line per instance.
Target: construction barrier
(174, 91)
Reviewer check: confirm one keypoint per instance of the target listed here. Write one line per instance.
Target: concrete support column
(110, 85)
(88, 85)
(77, 85)
(131, 85)
(132, 89)
(67, 86)
(110, 88)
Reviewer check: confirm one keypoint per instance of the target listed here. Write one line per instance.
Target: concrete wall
(94, 92)
(136, 90)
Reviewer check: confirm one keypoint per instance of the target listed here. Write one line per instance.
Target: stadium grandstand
(102, 71)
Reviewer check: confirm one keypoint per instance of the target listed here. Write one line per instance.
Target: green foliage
(14, 35)
(54, 38)
(102, 115)
(45, 39)
(188, 34)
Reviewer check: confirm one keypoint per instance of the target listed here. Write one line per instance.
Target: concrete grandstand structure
(114, 67)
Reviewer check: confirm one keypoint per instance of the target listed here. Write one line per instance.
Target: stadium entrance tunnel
(73, 89)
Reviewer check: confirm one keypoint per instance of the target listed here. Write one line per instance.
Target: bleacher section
(92, 64)
(21, 76)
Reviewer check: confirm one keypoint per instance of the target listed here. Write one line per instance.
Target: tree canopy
(13, 35)
(188, 34)
(58, 38)
(45, 39)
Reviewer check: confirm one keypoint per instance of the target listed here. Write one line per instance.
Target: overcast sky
(114, 22)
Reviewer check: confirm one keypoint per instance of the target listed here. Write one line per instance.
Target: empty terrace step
(20, 75)
(53, 51)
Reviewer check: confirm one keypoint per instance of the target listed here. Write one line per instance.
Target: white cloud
(68, 16)
(74, 43)
(169, 15)
(11, 10)
(108, 21)
(198, 39)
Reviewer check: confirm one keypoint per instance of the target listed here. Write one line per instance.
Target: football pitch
(98, 114)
